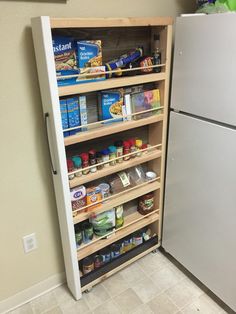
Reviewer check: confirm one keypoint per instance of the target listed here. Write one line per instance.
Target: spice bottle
(105, 156)
(126, 149)
(112, 155)
(119, 150)
(99, 160)
(146, 204)
(85, 162)
(92, 160)
(144, 146)
(77, 165)
(132, 147)
(70, 168)
(138, 144)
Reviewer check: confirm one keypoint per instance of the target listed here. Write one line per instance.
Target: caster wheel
(87, 290)
(155, 251)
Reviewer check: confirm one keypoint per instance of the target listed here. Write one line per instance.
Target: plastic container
(150, 175)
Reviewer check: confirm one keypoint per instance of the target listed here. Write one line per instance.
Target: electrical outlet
(29, 242)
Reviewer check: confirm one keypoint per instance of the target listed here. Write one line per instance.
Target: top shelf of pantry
(109, 22)
(110, 83)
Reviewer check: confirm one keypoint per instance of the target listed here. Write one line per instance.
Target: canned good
(87, 232)
(106, 255)
(115, 251)
(137, 238)
(128, 243)
(88, 265)
(98, 261)
(105, 190)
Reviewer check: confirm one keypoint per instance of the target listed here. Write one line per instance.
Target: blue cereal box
(89, 53)
(64, 116)
(111, 104)
(73, 114)
(64, 49)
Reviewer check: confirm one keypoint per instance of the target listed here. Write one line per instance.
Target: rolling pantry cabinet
(117, 36)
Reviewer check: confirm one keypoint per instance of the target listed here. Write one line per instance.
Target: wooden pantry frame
(42, 34)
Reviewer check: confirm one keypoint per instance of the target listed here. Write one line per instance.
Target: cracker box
(110, 105)
(73, 114)
(89, 53)
(64, 116)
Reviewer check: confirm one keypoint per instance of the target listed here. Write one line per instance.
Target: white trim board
(31, 293)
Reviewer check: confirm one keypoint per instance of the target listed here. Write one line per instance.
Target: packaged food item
(70, 168)
(103, 223)
(99, 160)
(105, 190)
(119, 216)
(98, 261)
(144, 63)
(106, 255)
(77, 165)
(115, 251)
(126, 150)
(110, 105)
(145, 101)
(78, 197)
(83, 112)
(105, 157)
(78, 236)
(132, 147)
(128, 243)
(87, 229)
(150, 175)
(89, 53)
(112, 155)
(138, 144)
(65, 58)
(122, 61)
(85, 162)
(136, 175)
(119, 182)
(73, 114)
(119, 150)
(137, 238)
(94, 195)
(92, 160)
(64, 117)
(145, 146)
(88, 265)
(146, 203)
(157, 60)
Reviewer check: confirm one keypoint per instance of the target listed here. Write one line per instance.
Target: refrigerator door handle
(46, 117)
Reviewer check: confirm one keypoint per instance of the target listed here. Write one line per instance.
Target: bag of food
(103, 223)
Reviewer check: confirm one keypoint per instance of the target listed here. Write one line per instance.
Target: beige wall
(27, 197)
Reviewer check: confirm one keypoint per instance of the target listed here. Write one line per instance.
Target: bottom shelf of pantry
(132, 223)
(107, 270)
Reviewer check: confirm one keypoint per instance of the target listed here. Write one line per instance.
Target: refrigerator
(199, 226)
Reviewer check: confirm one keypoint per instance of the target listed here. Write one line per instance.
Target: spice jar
(88, 265)
(105, 190)
(126, 149)
(99, 160)
(138, 144)
(119, 216)
(106, 255)
(132, 147)
(144, 146)
(78, 236)
(87, 228)
(92, 160)
(112, 155)
(119, 150)
(105, 156)
(98, 261)
(77, 165)
(70, 168)
(146, 204)
(85, 162)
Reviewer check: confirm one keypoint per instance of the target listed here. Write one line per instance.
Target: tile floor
(151, 285)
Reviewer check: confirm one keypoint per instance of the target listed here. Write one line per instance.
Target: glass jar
(126, 149)
(119, 150)
(112, 155)
(138, 144)
(85, 162)
(105, 157)
(146, 204)
(92, 160)
(77, 165)
(70, 168)
(99, 160)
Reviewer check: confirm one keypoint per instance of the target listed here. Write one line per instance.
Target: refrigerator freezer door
(200, 202)
(204, 73)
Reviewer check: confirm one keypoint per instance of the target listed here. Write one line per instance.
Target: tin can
(106, 255)
(137, 238)
(98, 261)
(128, 243)
(88, 265)
(105, 190)
(115, 251)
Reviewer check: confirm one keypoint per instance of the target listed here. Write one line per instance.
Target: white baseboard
(32, 292)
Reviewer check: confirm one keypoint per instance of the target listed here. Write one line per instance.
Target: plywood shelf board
(122, 199)
(132, 224)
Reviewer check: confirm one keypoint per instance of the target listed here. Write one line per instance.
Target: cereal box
(110, 105)
(64, 116)
(89, 53)
(73, 114)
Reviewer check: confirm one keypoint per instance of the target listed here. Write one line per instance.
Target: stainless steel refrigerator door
(204, 74)
(199, 227)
